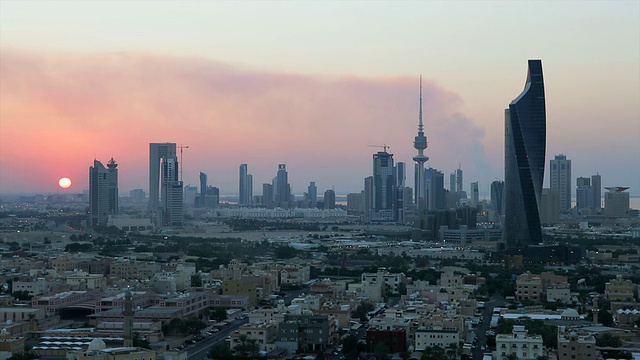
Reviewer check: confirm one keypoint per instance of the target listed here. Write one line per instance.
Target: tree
(139, 341)
(24, 355)
(22, 295)
(605, 317)
(608, 340)
(511, 356)
(452, 351)
(381, 351)
(362, 310)
(219, 314)
(220, 351)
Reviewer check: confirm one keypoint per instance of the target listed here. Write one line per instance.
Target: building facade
(560, 178)
(157, 151)
(525, 142)
(103, 192)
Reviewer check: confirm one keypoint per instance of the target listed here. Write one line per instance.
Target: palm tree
(452, 351)
(511, 356)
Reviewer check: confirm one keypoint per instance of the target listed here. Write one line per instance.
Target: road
(496, 301)
(199, 350)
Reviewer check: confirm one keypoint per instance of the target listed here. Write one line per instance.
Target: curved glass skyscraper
(525, 142)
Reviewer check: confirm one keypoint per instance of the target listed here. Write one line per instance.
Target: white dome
(570, 314)
(97, 344)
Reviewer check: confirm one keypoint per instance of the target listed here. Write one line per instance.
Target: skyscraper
(383, 185)
(312, 192)
(100, 206)
(172, 211)
(420, 144)
(459, 187)
(157, 151)
(596, 183)
(497, 196)
(560, 178)
(203, 190)
(112, 177)
(246, 186)
(435, 189)
(584, 193)
(329, 199)
(267, 196)
(282, 187)
(525, 141)
(550, 206)
(475, 193)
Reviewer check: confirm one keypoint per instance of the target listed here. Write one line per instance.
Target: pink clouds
(59, 112)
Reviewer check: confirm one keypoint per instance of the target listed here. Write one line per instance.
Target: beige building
(619, 289)
(83, 281)
(430, 336)
(528, 287)
(241, 287)
(573, 345)
(263, 333)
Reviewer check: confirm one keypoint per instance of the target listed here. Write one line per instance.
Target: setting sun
(64, 183)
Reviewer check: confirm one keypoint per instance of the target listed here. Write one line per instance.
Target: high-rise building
(282, 187)
(245, 186)
(268, 196)
(584, 193)
(435, 189)
(157, 151)
(596, 182)
(452, 182)
(368, 196)
(383, 185)
(103, 192)
(525, 142)
(497, 196)
(172, 212)
(312, 193)
(203, 190)
(549, 206)
(112, 177)
(616, 202)
(190, 195)
(560, 178)
(475, 193)
(137, 195)
(459, 184)
(420, 144)
(401, 174)
(329, 199)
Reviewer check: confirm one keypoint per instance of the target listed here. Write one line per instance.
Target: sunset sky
(309, 84)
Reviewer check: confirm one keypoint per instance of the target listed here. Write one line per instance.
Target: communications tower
(420, 144)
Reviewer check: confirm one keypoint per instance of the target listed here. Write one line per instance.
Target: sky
(309, 84)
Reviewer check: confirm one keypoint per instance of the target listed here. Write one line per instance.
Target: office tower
(549, 206)
(459, 187)
(203, 189)
(497, 196)
(368, 195)
(452, 182)
(112, 178)
(525, 141)
(190, 195)
(157, 151)
(420, 144)
(329, 199)
(98, 194)
(245, 186)
(435, 189)
(282, 188)
(401, 174)
(383, 184)
(312, 193)
(267, 196)
(596, 182)
(560, 178)
(355, 202)
(616, 202)
(584, 193)
(172, 212)
(212, 197)
(475, 194)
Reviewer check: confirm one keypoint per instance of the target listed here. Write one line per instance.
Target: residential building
(573, 344)
(431, 336)
(619, 289)
(528, 287)
(306, 333)
(560, 178)
(616, 202)
(520, 343)
(103, 192)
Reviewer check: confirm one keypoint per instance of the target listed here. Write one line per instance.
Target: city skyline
(66, 98)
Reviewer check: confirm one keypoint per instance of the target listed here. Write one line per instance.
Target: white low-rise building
(430, 336)
(519, 342)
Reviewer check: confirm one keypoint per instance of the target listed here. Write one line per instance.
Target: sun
(64, 183)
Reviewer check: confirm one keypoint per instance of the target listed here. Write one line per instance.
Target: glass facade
(525, 142)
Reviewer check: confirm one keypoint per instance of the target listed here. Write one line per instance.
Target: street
(496, 301)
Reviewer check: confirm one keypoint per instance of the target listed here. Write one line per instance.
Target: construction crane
(182, 147)
(383, 146)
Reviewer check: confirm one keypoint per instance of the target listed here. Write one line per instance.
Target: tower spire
(420, 125)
